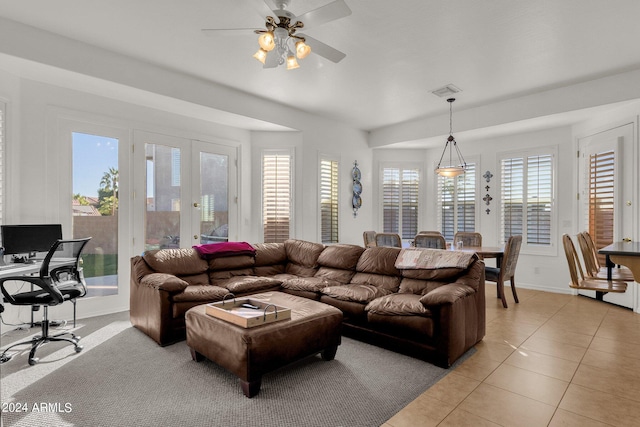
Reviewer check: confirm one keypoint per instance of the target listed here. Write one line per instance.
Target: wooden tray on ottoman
(248, 312)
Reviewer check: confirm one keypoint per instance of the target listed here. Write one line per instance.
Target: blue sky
(92, 157)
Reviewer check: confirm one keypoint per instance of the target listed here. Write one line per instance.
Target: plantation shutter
(400, 194)
(276, 196)
(601, 198)
(512, 197)
(391, 200)
(457, 199)
(409, 189)
(329, 201)
(539, 198)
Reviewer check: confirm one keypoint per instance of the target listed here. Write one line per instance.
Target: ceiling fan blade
(323, 49)
(263, 8)
(330, 12)
(227, 31)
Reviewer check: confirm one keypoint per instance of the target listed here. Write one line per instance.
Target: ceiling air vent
(446, 91)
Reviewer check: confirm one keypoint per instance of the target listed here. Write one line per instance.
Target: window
(400, 191)
(329, 200)
(276, 195)
(2, 142)
(457, 202)
(527, 198)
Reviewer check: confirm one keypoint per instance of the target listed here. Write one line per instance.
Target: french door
(606, 194)
(188, 192)
(95, 193)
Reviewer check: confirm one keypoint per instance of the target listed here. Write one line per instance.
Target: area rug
(123, 378)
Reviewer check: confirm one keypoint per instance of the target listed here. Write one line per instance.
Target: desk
(623, 253)
(28, 269)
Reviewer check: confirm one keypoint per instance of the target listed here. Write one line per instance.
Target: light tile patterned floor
(551, 360)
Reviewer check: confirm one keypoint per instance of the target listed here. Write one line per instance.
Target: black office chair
(61, 279)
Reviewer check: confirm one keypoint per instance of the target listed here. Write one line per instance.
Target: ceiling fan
(280, 43)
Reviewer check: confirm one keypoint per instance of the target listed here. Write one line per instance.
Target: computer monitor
(30, 238)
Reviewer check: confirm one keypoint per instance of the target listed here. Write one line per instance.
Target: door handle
(196, 204)
(626, 239)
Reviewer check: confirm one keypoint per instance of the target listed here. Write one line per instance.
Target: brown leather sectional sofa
(435, 314)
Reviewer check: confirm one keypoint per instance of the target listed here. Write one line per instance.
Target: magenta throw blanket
(224, 249)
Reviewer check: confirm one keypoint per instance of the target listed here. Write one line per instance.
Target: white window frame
(536, 249)
(270, 152)
(478, 206)
(3, 157)
(335, 195)
(401, 166)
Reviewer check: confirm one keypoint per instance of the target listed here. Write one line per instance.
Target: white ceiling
(397, 51)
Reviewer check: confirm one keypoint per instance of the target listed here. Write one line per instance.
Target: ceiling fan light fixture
(261, 55)
(292, 62)
(302, 49)
(267, 41)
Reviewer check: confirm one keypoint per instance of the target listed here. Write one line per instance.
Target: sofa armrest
(164, 281)
(446, 294)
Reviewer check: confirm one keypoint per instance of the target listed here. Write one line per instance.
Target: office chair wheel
(5, 358)
(33, 360)
(78, 348)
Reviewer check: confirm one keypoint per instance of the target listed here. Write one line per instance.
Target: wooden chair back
(369, 239)
(578, 280)
(433, 241)
(511, 254)
(468, 238)
(388, 239)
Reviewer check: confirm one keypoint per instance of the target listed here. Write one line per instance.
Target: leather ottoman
(249, 353)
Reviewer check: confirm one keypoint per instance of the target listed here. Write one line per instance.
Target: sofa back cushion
(271, 259)
(179, 262)
(379, 260)
(340, 256)
(338, 262)
(303, 257)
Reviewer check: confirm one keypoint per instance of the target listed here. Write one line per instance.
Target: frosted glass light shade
(266, 41)
(260, 55)
(292, 63)
(302, 49)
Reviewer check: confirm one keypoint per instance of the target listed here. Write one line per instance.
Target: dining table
(483, 252)
(625, 253)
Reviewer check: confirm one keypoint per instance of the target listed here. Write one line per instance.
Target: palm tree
(109, 192)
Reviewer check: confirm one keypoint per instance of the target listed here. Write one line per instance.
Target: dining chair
(52, 286)
(592, 266)
(468, 238)
(579, 281)
(507, 269)
(369, 239)
(436, 232)
(388, 239)
(433, 241)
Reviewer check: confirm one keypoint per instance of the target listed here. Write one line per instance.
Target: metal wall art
(487, 198)
(356, 200)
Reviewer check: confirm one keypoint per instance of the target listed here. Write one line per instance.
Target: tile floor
(551, 360)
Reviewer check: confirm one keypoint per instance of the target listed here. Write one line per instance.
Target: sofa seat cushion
(362, 293)
(398, 305)
(201, 293)
(311, 284)
(164, 281)
(248, 284)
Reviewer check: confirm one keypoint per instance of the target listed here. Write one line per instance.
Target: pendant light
(452, 168)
